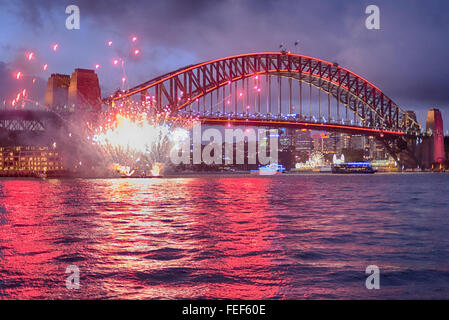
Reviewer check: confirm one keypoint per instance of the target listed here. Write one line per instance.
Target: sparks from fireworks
(135, 141)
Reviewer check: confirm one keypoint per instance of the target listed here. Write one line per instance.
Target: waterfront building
(27, 161)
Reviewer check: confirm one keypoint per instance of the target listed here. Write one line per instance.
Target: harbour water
(226, 236)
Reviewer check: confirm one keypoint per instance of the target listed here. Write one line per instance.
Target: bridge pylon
(403, 150)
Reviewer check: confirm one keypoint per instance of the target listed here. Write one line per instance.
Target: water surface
(237, 237)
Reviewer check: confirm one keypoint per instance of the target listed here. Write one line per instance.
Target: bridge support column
(403, 151)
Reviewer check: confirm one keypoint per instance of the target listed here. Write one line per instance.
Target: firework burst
(135, 142)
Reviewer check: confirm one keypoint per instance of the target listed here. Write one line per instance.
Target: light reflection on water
(283, 237)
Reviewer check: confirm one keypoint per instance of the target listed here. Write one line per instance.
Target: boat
(353, 168)
(269, 170)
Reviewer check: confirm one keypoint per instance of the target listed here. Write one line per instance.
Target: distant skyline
(407, 58)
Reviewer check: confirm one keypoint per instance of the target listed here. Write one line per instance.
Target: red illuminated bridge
(276, 90)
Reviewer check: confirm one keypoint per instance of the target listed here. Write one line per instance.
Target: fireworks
(156, 169)
(137, 142)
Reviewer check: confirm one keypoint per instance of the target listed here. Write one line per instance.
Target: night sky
(408, 58)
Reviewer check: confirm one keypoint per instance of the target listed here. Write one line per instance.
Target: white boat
(271, 169)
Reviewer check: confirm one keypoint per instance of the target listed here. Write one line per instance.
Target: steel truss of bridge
(28, 120)
(22, 125)
(181, 90)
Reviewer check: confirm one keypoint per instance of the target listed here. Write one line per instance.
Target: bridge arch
(181, 88)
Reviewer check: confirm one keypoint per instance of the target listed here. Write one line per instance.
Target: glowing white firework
(139, 144)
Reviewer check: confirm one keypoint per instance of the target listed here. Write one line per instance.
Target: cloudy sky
(408, 58)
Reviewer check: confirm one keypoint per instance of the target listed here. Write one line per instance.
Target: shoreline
(211, 174)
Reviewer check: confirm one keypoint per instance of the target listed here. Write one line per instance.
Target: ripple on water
(289, 237)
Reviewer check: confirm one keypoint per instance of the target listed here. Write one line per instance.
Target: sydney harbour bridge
(268, 89)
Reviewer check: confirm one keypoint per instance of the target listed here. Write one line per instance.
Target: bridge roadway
(38, 120)
(295, 122)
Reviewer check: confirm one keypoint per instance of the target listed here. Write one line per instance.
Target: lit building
(358, 142)
(303, 141)
(26, 161)
(343, 142)
(330, 141)
(285, 141)
(317, 142)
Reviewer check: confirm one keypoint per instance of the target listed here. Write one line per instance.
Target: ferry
(269, 170)
(354, 167)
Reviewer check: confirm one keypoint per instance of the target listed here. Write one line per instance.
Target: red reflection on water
(238, 233)
(27, 249)
(139, 238)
